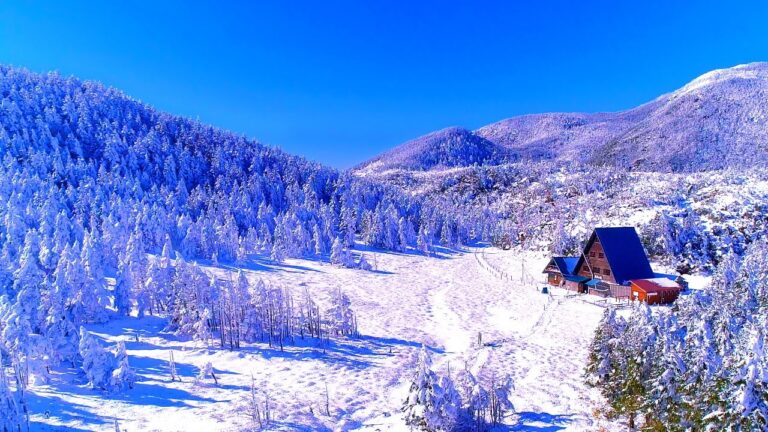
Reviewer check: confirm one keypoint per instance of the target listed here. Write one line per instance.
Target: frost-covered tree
(122, 291)
(405, 233)
(599, 365)
(92, 295)
(123, 376)
(98, 363)
(134, 267)
(424, 408)
(423, 242)
(341, 318)
(340, 255)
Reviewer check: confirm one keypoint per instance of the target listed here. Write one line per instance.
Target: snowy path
(442, 302)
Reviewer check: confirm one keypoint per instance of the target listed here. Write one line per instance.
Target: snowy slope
(442, 302)
(714, 122)
(450, 147)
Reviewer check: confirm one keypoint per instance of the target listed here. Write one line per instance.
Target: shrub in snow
(363, 263)
(206, 371)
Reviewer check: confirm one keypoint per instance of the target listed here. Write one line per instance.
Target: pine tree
(92, 295)
(429, 406)
(422, 240)
(98, 363)
(341, 318)
(600, 364)
(340, 256)
(405, 233)
(122, 291)
(750, 399)
(123, 376)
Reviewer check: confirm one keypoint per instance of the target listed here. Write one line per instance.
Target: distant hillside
(716, 121)
(447, 148)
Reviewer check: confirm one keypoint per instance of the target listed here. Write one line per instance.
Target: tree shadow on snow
(437, 252)
(352, 353)
(53, 407)
(160, 396)
(264, 264)
(541, 422)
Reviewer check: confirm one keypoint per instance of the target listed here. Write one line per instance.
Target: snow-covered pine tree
(122, 291)
(428, 407)
(93, 296)
(98, 363)
(341, 318)
(423, 242)
(748, 407)
(405, 233)
(123, 376)
(340, 255)
(135, 261)
(599, 365)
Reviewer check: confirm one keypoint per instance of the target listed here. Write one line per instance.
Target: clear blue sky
(340, 82)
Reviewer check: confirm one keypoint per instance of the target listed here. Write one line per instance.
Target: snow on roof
(655, 284)
(665, 282)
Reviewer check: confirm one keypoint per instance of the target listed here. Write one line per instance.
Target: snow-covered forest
(101, 194)
(690, 219)
(700, 365)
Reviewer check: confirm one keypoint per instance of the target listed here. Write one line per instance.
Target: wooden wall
(595, 257)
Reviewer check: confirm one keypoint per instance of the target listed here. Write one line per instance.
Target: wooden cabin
(611, 260)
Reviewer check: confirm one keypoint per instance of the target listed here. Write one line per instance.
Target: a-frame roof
(566, 265)
(624, 252)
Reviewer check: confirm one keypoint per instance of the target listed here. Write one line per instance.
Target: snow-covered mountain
(716, 121)
(446, 148)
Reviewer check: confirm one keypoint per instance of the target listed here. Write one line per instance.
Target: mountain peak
(445, 148)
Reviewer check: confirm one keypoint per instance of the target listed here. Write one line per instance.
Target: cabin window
(596, 270)
(592, 254)
(600, 255)
(585, 268)
(606, 272)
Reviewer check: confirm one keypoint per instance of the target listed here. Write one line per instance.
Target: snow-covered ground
(449, 303)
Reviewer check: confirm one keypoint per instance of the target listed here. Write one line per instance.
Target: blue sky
(340, 82)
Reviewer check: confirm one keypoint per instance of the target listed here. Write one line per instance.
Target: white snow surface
(664, 282)
(446, 302)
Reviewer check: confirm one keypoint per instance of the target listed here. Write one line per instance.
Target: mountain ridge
(713, 122)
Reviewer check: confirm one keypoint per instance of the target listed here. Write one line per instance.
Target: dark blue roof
(624, 253)
(576, 278)
(567, 265)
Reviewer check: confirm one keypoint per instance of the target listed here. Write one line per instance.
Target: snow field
(445, 302)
